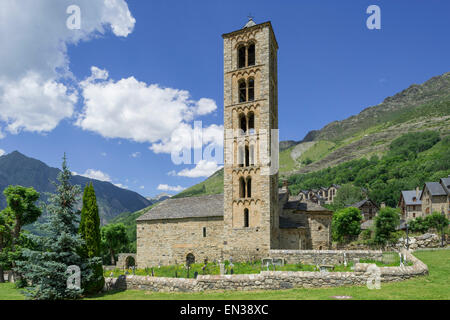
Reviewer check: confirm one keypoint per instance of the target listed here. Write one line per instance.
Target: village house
(368, 209)
(320, 196)
(410, 204)
(435, 197)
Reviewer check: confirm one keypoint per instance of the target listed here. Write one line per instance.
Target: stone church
(252, 216)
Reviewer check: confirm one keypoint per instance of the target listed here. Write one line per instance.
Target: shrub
(385, 225)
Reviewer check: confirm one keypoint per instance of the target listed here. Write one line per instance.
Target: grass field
(436, 286)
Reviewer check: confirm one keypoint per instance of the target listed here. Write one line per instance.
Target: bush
(385, 225)
(418, 225)
(346, 224)
(366, 234)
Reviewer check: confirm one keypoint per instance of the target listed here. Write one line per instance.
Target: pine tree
(89, 230)
(46, 268)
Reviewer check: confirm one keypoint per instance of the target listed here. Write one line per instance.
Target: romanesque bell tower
(251, 215)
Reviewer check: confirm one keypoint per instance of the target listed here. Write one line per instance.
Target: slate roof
(445, 182)
(361, 203)
(435, 189)
(191, 207)
(286, 223)
(308, 206)
(409, 195)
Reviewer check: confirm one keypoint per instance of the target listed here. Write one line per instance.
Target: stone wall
(324, 256)
(267, 280)
(164, 242)
(427, 240)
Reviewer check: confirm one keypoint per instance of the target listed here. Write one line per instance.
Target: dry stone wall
(325, 256)
(268, 280)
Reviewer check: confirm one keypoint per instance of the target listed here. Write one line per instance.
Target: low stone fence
(325, 256)
(424, 241)
(268, 280)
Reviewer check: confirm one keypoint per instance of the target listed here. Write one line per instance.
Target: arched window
(251, 122)
(241, 57)
(251, 89)
(247, 157)
(246, 218)
(241, 155)
(242, 91)
(249, 187)
(241, 188)
(251, 55)
(252, 155)
(243, 123)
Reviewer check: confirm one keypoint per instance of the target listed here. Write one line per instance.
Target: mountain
(18, 169)
(415, 109)
(418, 108)
(160, 197)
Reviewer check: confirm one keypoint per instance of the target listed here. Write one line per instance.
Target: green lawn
(434, 286)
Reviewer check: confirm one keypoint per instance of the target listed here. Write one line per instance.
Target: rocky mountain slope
(417, 108)
(18, 169)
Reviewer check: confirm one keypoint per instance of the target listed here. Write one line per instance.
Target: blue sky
(331, 66)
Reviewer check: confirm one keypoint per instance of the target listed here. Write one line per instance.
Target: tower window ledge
(245, 68)
(240, 104)
(244, 168)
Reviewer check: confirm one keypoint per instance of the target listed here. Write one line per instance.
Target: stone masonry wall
(163, 242)
(324, 256)
(267, 280)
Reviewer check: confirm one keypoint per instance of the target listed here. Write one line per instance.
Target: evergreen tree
(46, 267)
(89, 230)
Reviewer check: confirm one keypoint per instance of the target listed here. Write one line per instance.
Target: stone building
(410, 204)
(367, 207)
(435, 197)
(320, 196)
(252, 216)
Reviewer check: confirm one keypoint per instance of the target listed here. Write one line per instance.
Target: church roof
(182, 208)
(307, 206)
(249, 24)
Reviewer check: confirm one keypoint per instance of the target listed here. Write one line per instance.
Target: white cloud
(135, 154)
(183, 138)
(203, 169)
(104, 154)
(131, 109)
(37, 89)
(166, 187)
(142, 187)
(172, 173)
(205, 106)
(2, 152)
(95, 174)
(34, 104)
(119, 185)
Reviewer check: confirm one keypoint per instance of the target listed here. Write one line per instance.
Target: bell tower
(251, 216)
